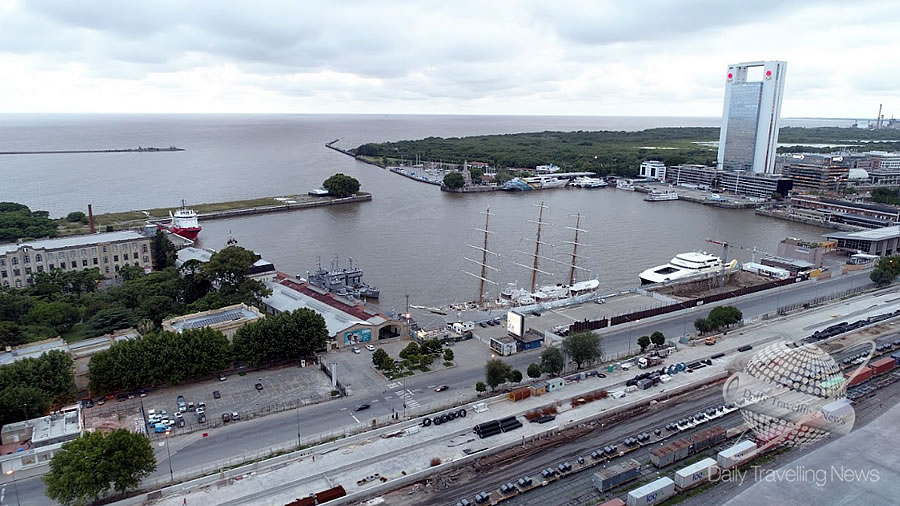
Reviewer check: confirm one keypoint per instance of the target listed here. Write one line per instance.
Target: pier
(139, 149)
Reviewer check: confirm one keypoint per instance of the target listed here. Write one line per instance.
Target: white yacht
(658, 196)
(589, 182)
(545, 182)
(684, 265)
(522, 297)
(625, 184)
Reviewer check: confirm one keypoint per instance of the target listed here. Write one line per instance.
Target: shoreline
(214, 211)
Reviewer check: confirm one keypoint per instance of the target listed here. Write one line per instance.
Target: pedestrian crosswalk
(407, 397)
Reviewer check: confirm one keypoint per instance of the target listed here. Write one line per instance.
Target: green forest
(607, 152)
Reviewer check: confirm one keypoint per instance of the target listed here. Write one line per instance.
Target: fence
(782, 310)
(669, 308)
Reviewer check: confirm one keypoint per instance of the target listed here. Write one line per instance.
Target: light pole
(169, 454)
(15, 487)
(298, 427)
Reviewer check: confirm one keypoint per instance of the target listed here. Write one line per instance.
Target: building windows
(38, 258)
(40, 268)
(28, 270)
(106, 269)
(115, 248)
(115, 258)
(106, 260)
(124, 256)
(18, 283)
(146, 259)
(134, 246)
(15, 261)
(104, 249)
(144, 248)
(17, 272)
(94, 251)
(117, 268)
(51, 267)
(84, 262)
(4, 274)
(61, 255)
(5, 284)
(84, 252)
(27, 259)
(2, 262)
(95, 260)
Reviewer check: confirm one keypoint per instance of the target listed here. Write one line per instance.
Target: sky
(592, 58)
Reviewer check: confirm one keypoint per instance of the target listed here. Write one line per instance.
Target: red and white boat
(184, 223)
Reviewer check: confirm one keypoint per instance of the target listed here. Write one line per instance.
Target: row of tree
(719, 318)
(17, 221)
(413, 356)
(657, 339)
(886, 270)
(285, 336)
(31, 386)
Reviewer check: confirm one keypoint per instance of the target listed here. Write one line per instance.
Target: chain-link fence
(817, 301)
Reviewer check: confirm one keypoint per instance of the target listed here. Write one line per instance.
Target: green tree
(14, 305)
(658, 339)
(476, 174)
(90, 467)
(426, 360)
(480, 387)
(582, 348)
(285, 336)
(341, 185)
(515, 376)
(702, 325)
(881, 277)
(59, 315)
(77, 217)
(227, 269)
(11, 334)
(552, 361)
(156, 308)
(17, 221)
(163, 251)
(411, 349)
(534, 371)
(496, 372)
(21, 402)
(29, 386)
(382, 360)
(448, 355)
(109, 320)
(454, 180)
(643, 342)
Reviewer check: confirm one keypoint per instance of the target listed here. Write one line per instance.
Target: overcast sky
(638, 57)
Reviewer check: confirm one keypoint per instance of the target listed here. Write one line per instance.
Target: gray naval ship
(345, 282)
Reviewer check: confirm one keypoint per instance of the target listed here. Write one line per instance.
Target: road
(193, 450)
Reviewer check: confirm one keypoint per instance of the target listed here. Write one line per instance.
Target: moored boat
(183, 223)
(658, 196)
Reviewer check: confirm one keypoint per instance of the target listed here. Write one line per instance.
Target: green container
(609, 368)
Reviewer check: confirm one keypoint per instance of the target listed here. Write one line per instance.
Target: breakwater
(139, 149)
(285, 207)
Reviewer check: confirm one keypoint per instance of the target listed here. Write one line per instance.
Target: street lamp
(169, 454)
(298, 427)
(15, 487)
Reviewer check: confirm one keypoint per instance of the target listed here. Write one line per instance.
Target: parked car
(131, 395)
(259, 386)
(121, 397)
(101, 401)
(200, 411)
(201, 418)
(362, 407)
(180, 422)
(191, 406)
(216, 394)
(182, 406)
(226, 417)
(87, 403)
(482, 324)
(160, 428)
(179, 416)
(142, 394)
(370, 347)
(356, 350)
(441, 388)
(201, 405)
(235, 416)
(221, 377)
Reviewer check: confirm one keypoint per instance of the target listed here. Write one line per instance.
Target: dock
(138, 149)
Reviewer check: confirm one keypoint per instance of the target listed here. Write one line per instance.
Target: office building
(700, 176)
(749, 132)
(816, 173)
(752, 184)
(108, 252)
(882, 241)
(653, 169)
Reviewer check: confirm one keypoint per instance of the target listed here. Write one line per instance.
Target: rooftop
(51, 428)
(651, 487)
(32, 350)
(286, 297)
(74, 241)
(878, 234)
(190, 253)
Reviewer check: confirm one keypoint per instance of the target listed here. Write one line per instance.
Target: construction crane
(724, 246)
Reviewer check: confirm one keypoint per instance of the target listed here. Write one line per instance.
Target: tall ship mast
(537, 249)
(573, 267)
(484, 256)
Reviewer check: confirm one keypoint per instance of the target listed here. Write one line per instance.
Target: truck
(645, 362)
(711, 340)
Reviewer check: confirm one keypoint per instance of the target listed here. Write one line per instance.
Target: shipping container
(614, 502)
(706, 438)
(615, 475)
(519, 394)
(645, 383)
(538, 389)
(330, 494)
(862, 377)
(837, 410)
(670, 453)
(896, 357)
(652, 493)
(882, 365)
(696, 473)
(735, 455)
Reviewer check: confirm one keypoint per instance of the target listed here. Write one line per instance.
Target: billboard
(358, 336)
(515, 323)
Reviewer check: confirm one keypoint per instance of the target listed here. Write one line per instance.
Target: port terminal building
(108, 252)
(349, 322)
(740, 182)
(880, 241)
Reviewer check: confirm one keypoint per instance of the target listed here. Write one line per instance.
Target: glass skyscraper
(749, 132)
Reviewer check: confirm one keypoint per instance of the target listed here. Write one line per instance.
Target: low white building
(653, 169)
(32, 443)
(546, 169)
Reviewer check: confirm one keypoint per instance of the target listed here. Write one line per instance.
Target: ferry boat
(183, 223)
(534, 183)
(625, 184)
(658, 196)
(683, 265)
(589, 182)
(345, 282)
